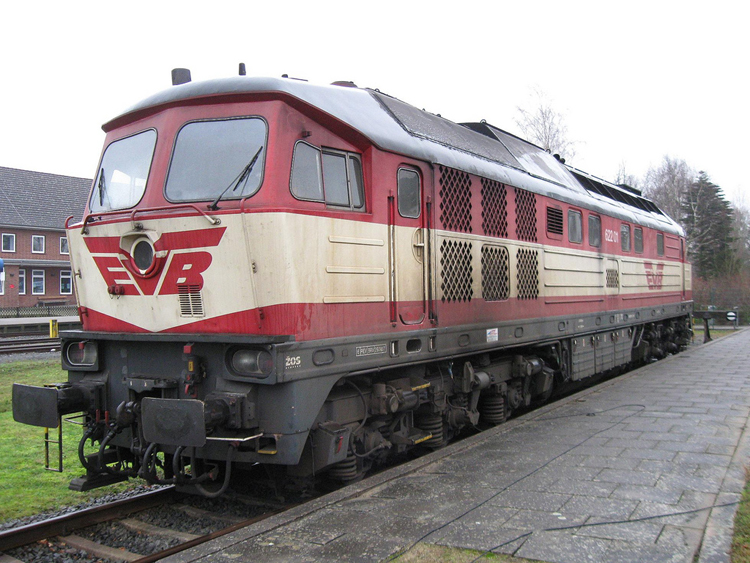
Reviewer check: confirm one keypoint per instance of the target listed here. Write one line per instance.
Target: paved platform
(647, 467)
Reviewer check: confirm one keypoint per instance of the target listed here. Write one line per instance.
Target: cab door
(409, 247)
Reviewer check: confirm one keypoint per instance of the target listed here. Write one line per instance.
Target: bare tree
(625, 178)
(544, 126)
(667, 185)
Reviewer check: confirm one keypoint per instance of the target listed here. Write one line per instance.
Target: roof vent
(180, 76)
(344, 83)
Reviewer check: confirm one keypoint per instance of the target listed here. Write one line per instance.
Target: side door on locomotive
(409, 236)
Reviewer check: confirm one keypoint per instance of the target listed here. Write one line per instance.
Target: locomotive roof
(393, 125)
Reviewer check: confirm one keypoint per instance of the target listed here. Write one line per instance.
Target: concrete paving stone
(694, 447)
(568, 460)
(602, 451)
(623, 434)
(638, 443)
(646, 453)
(604, 462)
(562, 547)
(360, 548)
(675, 436)
(570, 473)
(690, 483)
(680, 538)
(545, 520)
(663, 414)
(595, 506)
(691, 512)
(625, 477)
(644, 554)
(530, 500)
(720, 450)
(704, 459)
(583, 488)
(634, 532)
(648, 494)
(689, 410)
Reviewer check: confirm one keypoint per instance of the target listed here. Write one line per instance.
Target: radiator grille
(525, 215)
(554, 221)
(455, 200)
(495, 273)
(191, 301)
(456, 271)
(494, 209)
(613, 278)
(527, 273)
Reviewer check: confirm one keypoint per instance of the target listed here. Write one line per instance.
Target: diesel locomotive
(320, 278)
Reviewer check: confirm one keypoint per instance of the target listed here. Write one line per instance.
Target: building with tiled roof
(33, 246)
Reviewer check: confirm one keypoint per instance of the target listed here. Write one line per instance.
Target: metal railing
(41, 310)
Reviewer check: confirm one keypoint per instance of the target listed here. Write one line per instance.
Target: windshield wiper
(101, 187)
(243, 175)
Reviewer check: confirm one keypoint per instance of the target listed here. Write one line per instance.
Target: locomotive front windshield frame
(217, 159)
(123, 172)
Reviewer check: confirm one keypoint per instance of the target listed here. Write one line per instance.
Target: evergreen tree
(708, 221)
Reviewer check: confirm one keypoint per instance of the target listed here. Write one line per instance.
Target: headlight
(82, 354)
(143, 255)
(252, 362)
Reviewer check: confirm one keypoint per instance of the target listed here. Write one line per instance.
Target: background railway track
(143, 528)
(21, 344)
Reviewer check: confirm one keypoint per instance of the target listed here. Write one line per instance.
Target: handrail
(134, 212)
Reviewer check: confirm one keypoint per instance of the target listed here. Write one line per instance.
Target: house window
(21, 282)
(9, 242)
(638, 239)
(595, 231)
(408, 193)
(575, 226)
(37, 282)
(333, 177)
(64, 248)
(37, 244)
(660, 244)
(625, 237)
(66, 282)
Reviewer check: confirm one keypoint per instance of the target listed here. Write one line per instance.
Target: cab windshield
(217, 160)
(124, 170)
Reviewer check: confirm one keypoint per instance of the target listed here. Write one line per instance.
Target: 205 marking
(293, 362)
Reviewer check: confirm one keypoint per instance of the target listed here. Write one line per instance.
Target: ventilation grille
(191, 301)
(455, 200)
(528, 273)
(494, 209)
(554, 221)
(495, 273)
(525, 215)
(456, 271)
(613, 279)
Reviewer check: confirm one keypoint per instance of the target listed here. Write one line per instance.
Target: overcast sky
(634, 80)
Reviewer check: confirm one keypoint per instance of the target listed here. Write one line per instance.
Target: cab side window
(327, 175)
(408, 193)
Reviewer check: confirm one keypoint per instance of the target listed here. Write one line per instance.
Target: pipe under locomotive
(323, 277)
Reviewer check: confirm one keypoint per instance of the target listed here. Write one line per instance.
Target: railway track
(141, 529)
(28, 344)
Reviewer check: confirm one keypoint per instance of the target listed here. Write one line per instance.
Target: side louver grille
(191, 301)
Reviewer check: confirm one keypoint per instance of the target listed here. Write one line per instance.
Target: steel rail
(65, 524)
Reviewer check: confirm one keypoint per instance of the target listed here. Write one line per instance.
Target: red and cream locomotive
(321, 277)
